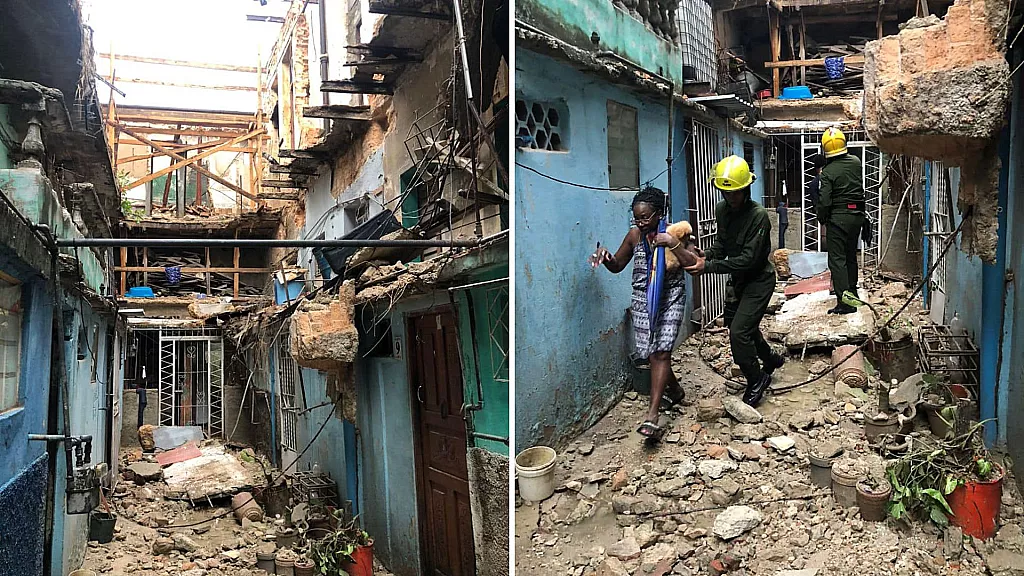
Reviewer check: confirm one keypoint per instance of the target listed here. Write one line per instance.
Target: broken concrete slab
(808, 264)
(214, 474)
(715, 469)
(805, 321)
(809, 286)
(143, 472)
(170, 437)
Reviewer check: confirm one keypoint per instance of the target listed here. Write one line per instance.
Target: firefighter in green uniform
(841, 208)
(741, 249)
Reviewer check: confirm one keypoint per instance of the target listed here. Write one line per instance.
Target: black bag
(373, 229)
(866, 232)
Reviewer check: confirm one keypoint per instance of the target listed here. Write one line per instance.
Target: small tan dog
(683, 232)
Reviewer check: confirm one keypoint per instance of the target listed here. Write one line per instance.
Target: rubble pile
(730, 491)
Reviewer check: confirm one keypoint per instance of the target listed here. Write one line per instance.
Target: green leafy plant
(329, 555)
(129, 211)
(922, 479)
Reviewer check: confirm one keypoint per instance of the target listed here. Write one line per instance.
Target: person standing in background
(140, 389)
(783, 211)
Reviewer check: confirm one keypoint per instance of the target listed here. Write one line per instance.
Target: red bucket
(975, 506)
(362, 564)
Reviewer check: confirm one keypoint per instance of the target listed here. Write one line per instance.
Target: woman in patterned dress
(654, 343)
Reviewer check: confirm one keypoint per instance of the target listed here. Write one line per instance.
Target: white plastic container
(535, 469)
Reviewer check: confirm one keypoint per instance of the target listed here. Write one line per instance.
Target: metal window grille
(497, 316)
(695, 21)
(545, 125)
(705, 153)
(941, 209)
(287, 377)
(623, 147)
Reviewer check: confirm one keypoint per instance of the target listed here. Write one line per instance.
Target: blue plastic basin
(139, 292)
(796, 93)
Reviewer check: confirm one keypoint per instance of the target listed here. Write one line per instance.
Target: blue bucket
(796, 93)
(139, 292)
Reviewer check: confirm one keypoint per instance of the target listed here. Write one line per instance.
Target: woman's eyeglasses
(644, 221)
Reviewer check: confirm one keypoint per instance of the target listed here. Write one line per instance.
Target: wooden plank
(234, 261)
(338, 112)
(124, 273)
(182, 131)
(182, 63)
(803, 49)
(151, 82)
(855, 59)
(283, 184)
(200, 169)
(350, 87)
(167, 190)
(194, 269)
(276, 195)
(303, 154)
(286, 169)
(189, 148)
(775, 45)
(860, 18)
(208, 273)
(186, 161)
(180, 148)
(172, 121)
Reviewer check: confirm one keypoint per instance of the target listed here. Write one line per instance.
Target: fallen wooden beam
(856, 59)
(188, 161)
(303, 154)
(180, 63)
(195, 270)
(351, 87)
(279, 195)
(189, 148)
(287, 169)
(338, 112)
(282, 184)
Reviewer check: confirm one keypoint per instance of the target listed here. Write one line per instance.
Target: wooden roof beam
(180, 63)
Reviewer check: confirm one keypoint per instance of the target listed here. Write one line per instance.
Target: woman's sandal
(671, 398)
(651, 431)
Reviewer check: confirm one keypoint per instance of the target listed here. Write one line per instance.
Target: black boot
(773, 363)
(842, 308)
(755, 390)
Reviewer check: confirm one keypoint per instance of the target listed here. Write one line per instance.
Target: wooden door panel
(447, 524)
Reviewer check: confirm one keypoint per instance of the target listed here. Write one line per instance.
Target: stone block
(936, 48)
(912, 53)
(323, 335)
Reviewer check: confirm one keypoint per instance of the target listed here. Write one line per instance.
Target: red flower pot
(362, 562)
(975, 505)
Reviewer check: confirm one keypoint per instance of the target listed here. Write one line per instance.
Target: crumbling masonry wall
(939, 90)
(323, 335)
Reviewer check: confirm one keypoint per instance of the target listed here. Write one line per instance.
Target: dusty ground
(146, 526)
(622, 508)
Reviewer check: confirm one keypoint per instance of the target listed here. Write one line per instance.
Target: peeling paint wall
(23, 507)
(572, 340)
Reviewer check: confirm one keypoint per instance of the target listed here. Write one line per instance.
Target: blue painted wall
(23, 463)
(739, 138)
(88, 417)
(571, 336)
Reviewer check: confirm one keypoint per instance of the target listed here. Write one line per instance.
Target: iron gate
(710, 303)
(871, 177)
(287, 378)
(192, 379)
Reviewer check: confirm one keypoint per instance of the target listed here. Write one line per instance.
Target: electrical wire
(280, 475)
(950, 241)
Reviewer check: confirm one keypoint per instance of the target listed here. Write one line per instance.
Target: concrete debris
(179, 454)
(586, 448)
(782, 443)
(741, 411)
(170, 437)
(146, 437)
(214, 474)
(736, 521)
(142, 472)
(808, 264)
(323, 333)
(715, 469)
(894, 290)
(780, 259)
(804, 321)
(710, 410)
(626, 549)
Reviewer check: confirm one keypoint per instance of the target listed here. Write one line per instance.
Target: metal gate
(871, 177)
(287, 379)
(192, 379)
(940, 206)
(710, 302)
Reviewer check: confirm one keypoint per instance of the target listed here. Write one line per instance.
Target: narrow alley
(254, 287)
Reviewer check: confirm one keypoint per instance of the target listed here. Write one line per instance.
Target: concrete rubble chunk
(143, 472)
(656, 555)
(804, 572)
(782, 443)
(736, 521)
(626, 549)
(715, 469)
(323, 334)
(1005, 563)
(612, 567)
(710, 410)
(740, 411)
(686, 468)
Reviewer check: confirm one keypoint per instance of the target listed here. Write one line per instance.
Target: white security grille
(695, 21)
(497, 316)
(706, 152)
(940, 207)
(287, 378)
(191, 379)
(871, 177)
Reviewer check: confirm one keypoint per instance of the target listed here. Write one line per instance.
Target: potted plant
(952, 479)
(873, 494)
(304, 567)
(345, 550)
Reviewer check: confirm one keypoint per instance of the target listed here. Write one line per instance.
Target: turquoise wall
(571, 342)
(574, 21)
(7, 129)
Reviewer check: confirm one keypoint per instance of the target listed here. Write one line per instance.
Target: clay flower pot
(976, 503)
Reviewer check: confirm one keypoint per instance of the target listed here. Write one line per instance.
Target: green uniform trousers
(745, 306)
(842, 236)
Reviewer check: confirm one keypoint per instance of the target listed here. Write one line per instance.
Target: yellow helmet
(833, 142)
(732, 173)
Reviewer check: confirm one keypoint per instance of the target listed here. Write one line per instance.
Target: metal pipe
(668, 160)
(324, 59)
(482, 436)
(462, 48)
(260, 243)
(475, 284)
